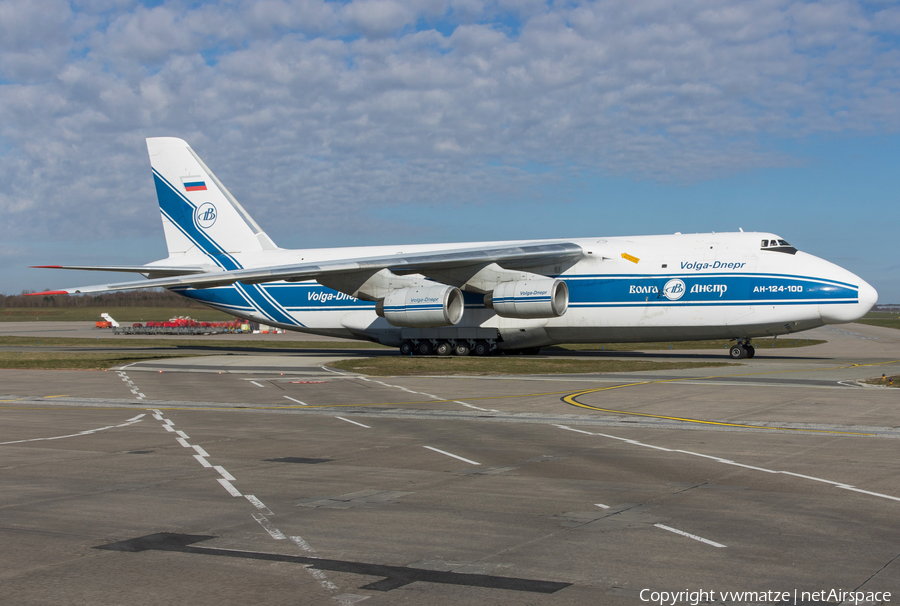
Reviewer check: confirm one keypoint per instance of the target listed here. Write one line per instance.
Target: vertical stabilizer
(199, 215)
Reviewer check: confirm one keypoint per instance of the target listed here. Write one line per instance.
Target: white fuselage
(624, 289)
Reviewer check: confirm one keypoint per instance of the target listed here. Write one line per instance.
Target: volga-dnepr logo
(206, 215)
(674, 289)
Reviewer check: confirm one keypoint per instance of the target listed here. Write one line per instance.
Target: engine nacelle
(528, 299)
(422, 307)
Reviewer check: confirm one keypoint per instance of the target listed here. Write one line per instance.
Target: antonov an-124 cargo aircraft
(485, 297)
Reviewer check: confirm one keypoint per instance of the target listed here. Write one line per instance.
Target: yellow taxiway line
(572, 400)
(569, 398)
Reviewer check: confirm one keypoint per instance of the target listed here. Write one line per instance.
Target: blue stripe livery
(277, 301)
(751, 289)
(180, 211)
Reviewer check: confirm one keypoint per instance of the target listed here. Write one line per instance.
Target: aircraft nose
(837, 314)
(868, 296)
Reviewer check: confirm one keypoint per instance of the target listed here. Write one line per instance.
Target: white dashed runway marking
(689, 535)
(132, 387)
(450, 454)
(260, 516)
(354, 422)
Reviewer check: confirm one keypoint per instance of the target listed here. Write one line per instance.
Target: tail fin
(199, 215)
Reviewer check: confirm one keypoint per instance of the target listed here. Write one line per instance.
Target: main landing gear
(457, 347)
(742, 349)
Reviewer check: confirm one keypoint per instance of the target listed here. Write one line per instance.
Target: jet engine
(422, 307)
(529, 299)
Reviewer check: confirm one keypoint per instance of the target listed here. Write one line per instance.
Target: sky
(380, 122)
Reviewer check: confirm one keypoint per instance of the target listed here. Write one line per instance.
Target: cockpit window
(781, 246)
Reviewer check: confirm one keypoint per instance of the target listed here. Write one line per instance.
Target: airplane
(484, 298)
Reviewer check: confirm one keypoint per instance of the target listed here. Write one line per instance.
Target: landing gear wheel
(751, 351)
(481, 348)
(424, 348)
(737, 352)
(406, 348)
(443, 348)
(462, 348)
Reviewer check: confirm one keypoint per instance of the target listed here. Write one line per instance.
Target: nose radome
(838, 314)
(868, 296)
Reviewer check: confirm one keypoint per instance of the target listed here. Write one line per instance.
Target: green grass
(780, 343)
(72, 361)
(124, 315)
(400, 365)
(262, 342)
(885, 381)
(249, 341)
(881, 318)
(80, 360)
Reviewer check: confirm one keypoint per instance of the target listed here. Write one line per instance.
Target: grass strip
(782, 343)
(881, 318)
(72, 361)
(196, 343)
(885, 381)
(401, 365)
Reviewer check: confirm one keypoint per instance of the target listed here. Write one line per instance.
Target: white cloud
(377, 18)
(34, 37)
(341, 109)
(149, 35)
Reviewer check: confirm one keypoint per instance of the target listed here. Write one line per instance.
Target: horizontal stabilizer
(160, 271)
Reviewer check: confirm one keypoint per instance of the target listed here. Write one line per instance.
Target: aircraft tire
(737, 352)
(424, 348)
(406, 348)
(444, 348)
(481, 348)
(462, 348)
(751, 351)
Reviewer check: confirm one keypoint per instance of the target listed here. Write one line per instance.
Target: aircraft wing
(509, 257)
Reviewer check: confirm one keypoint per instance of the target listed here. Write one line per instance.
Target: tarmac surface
(268, 478)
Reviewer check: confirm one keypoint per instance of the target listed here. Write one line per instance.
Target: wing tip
(45, 266)
(47, 292)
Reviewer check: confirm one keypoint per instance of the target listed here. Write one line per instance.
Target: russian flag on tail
(193, 183)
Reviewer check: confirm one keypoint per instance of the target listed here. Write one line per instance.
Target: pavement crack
(689, 488)
(877, 572)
